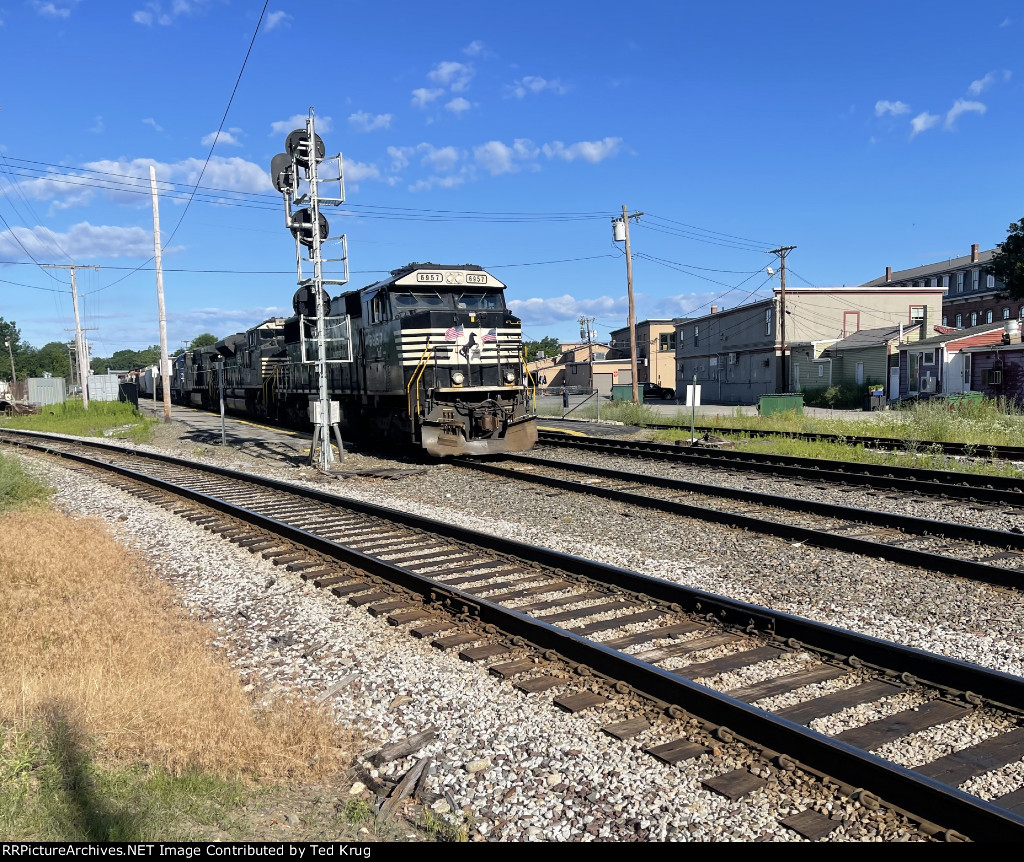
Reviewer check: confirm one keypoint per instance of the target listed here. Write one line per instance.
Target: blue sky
(506, 135)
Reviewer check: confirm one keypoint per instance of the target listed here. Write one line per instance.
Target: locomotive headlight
(510, 377)
(458, 378)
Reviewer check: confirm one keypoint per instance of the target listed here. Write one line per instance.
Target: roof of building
(872, 337)
(934, 268)
(958, 334)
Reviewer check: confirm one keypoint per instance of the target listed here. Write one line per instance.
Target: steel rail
(970, 569)
(1004, 490)
(924, 797)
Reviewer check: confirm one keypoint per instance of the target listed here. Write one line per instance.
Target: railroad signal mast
(304, 150)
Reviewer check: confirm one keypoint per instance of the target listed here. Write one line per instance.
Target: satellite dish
(304, 301)
(770, 271)
(302, 226)
(281, 173)
(297, 145)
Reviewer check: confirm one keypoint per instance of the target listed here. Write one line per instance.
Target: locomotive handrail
(414, 380)
(530, 377)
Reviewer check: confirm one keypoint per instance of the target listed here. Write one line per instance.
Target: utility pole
(622, 225)
(782, 252)
(14, 377)
(585, 330)
(83, 356)
(164, 369)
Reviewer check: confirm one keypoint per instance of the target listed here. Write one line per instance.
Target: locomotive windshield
(490, 301)
(419, 301)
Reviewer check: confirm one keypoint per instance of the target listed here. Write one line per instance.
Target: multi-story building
(655, 350)
(737, 355)
(971, 289)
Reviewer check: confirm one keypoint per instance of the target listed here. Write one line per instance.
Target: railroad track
(689, 670)
(896, 444)
(1000, 490)
(990, 556)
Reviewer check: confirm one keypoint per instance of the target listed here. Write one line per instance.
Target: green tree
(21, 350)
(204, 340)
(1008, 262)
(551, 347)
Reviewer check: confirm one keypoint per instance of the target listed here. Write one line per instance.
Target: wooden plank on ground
(393, 605)
(729, 663)
(619, 622)
(455, 640)
(788, 682)
(348, 589)
(627, 729)
(875, 734)
(678, 648)
(652, 635)
(580, 701)
(676, 750)
(369, 598)
(736, 784)
(517, 667)
(583, 613)
(537, 589)
(483, 652)
(413, 616)
(828, 704)
(540, 683)
(533, 607)
(429, 629)
(810, 824)
(1012, 801)
(959, 766)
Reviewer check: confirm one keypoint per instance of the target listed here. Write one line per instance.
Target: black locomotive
(430, 357)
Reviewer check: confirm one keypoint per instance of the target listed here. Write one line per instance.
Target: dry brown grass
(92, 639)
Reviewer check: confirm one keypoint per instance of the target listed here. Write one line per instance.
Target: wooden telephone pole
(165, 370)
(782, 252)
(624, 222)
(80, 349)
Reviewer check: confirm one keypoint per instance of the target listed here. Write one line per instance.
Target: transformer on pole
(305, 150)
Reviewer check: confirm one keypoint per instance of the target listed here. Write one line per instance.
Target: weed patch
(102, 419)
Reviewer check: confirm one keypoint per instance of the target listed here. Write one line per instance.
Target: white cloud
(224, 138)
(922, 122)
(54, 10)
(276, 19)
(883, 106)
(566, 307)
(361, 121)
(83, 241)
(533, 84)
(422, 96)
(97, 126)
(298, 121)
(963, 106)
(440, 158)
(976, 88)
(154, 12)
(400, 157)
(498, 158)
(356, 171)
(1006, 22)
(455, 76)
(590, 151)
(458, 105)
(149, 121)
(445, 182)
(476, 48)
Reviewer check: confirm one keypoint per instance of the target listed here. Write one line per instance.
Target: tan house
(737, 355)
(655, 351)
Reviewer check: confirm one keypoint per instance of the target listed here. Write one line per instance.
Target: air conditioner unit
(928, 384)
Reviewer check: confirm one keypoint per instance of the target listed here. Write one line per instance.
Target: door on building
(894, 383)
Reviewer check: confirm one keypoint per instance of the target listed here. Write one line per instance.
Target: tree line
(54, 358)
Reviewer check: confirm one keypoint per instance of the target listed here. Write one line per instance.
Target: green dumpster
(771, 404)
(622, 392)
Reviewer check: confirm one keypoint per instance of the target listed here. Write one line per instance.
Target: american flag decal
(453, 333)
(491, 335)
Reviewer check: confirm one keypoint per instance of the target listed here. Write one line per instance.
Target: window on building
(599, 357)
(944, 320)
(821, 370)
(990, 280)
(1006, 314)
(928, 357)
(945, 282)
(959, 321)
(988, 316)
(667, 341)
(696, 334)
(975, 274)
(959, 282)
(974, 318)
(916, 313)
(967, 372)
(767, 321)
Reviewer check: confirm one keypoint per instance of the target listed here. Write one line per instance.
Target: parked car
(654, 392)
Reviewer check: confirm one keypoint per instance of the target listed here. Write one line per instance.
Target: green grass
(102, 419)
(17, 487)
(612, 411)
(51, 790)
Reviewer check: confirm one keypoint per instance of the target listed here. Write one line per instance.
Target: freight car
(430, 357)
